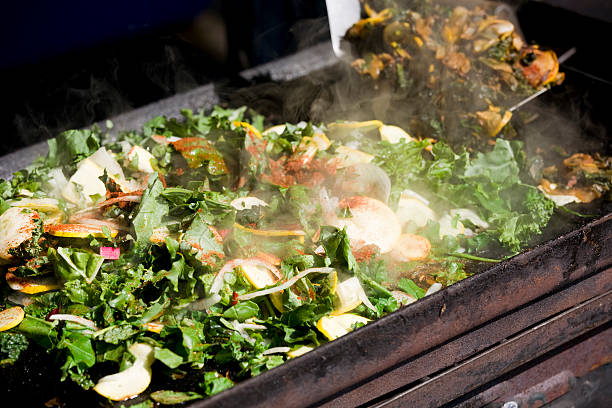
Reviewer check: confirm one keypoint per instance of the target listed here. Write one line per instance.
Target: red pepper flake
(218, 237)
(224, 232)
(110, 252)
(180, 171)
(234, 299)
(162, 179)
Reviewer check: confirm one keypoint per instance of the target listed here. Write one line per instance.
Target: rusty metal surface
(394, 339)
(548, 390)
(594, 390)
(474, 341)
(553, 376)
(507, 356)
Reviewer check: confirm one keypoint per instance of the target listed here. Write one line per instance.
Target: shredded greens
(228, 211)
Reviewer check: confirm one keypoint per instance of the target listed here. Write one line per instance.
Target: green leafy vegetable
(174, 397)
(71, 263)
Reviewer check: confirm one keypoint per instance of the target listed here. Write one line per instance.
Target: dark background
(68, 64)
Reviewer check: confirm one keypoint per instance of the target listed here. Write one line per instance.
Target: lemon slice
(333, 282)
(154, 327)
(17, 226)
(321, 141)
(278, 129)
(300, 351)
(32, 284)
(447, 227)
(131, 381)
(393, 134)
(11, 317)
(77, 231)
(333, 327)
(350, 157)
(259, 276)
(363, 126)
(349, 295)
(249, 128)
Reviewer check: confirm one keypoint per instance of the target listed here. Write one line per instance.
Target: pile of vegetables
(457, 69)
(210, 247)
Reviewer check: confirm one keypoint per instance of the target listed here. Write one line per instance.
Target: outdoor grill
(525, 332)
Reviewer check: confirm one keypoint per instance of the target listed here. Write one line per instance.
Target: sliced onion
(466, 214)
(366, 301)
(205, 303)
(131, 198)
(104, 223)
(238, 327)
(285, 285)
(228, 267)
(433, 288)
(56, 182)
(252, 326)
(75, 319)
(92, 216)
(276, 350)
(20, 298)
(413, 194)
(105, 159)
(403, 297)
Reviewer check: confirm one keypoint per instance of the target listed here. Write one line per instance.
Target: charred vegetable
(456, 69)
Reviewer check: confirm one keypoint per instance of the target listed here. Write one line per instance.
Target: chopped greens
(229, 211)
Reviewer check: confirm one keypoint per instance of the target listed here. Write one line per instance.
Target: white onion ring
(75, 319)
(285, 285)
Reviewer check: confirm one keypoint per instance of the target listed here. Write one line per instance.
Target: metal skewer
(564, 57)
